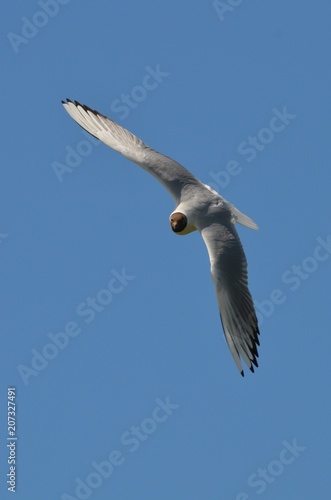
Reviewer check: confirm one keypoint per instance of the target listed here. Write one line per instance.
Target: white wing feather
(229, 273)
(171, 174)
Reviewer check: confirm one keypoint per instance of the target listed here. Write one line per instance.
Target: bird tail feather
(243, 219)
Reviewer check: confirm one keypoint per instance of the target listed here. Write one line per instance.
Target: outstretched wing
(229, 273)
(167, 171)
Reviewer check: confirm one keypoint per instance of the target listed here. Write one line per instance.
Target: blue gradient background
(161, 335)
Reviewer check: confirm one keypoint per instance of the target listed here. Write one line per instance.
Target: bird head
(179, 223)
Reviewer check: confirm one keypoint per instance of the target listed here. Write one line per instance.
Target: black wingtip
(254, 361)
(242, 373)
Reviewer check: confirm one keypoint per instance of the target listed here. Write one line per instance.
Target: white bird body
(198, 207)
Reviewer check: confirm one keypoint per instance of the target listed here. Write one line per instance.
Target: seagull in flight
(198, 207)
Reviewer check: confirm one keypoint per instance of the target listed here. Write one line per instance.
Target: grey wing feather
(229, 273)
(171, 174)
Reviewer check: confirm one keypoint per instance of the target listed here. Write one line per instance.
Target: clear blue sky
(138, 396)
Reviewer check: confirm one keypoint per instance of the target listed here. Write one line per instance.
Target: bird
(198, 208)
